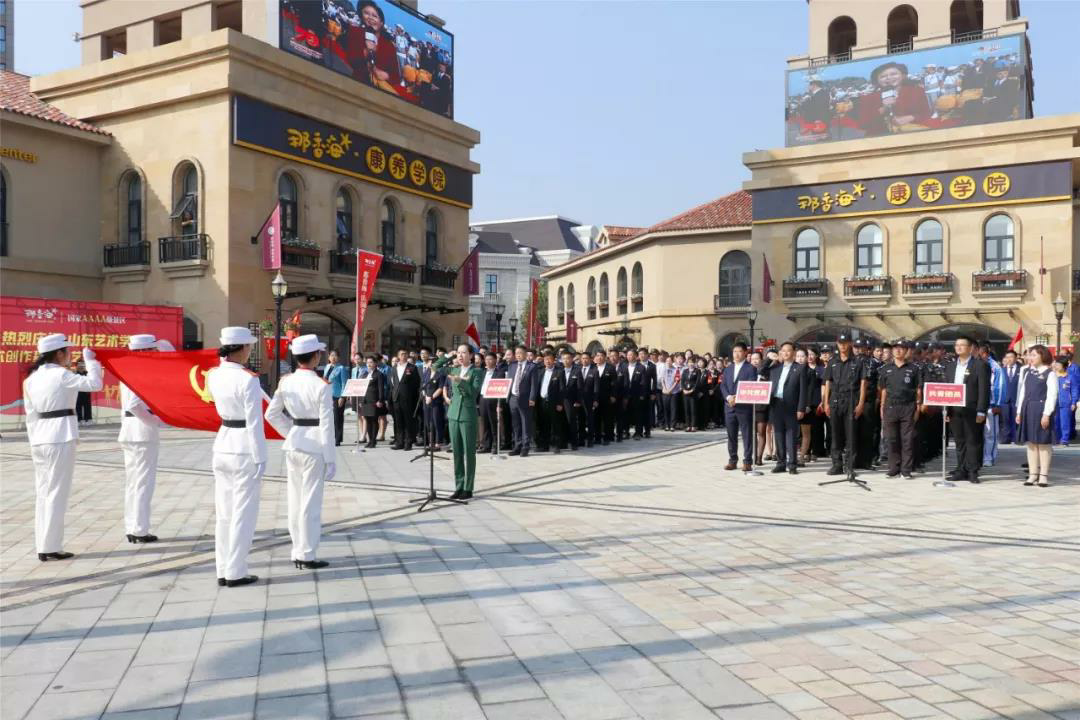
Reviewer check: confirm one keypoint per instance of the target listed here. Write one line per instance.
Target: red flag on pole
(270, 238)
(766, 283)
(367, 272)
(1018, 337)
(173, 385)
(571, 329)
(470, 273)
(473, 337)
(535, 294)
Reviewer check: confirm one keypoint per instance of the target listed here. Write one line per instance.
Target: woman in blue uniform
(1036, 405)
(1066, 400)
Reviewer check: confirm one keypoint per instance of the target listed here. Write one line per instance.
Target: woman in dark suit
(691, 378)
(809, 425)
(373, 403)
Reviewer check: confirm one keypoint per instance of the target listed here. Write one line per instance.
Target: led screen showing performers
(376, 42)
(964, 84)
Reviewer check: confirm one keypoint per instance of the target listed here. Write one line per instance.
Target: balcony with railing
(397, 269)
(927, 288)
(805, 292)
(621, 303)
(1076, 281)
(303, 256)
(127, 262)
(342, 263)
(999, 285)
(184, 255)
(972, 35)
(437, 276)
(868, 291)
(900, 47)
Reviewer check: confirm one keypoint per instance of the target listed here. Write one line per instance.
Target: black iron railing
(180, 248)
(999, 280)
(433, 277)
(397, 273)
(733, 297)
(858, 286)
(301, 257)
(831, 59)
(970, 35)
(805, 287)
(118, 255)
(928, 283)
(900, 47)
(342, 263)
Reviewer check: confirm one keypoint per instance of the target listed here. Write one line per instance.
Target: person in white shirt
(1036, 406)
(140, 441)
(49, 396)
(310, 456)
(239, 455)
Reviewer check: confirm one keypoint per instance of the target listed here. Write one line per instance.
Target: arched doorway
(407, 335)
(594, 347)
(947, 334)
(829, 333)
(330, 330)
(727, 342)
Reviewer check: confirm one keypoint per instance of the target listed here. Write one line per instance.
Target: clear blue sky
(622, 113)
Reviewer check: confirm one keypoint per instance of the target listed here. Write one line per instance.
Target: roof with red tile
(618, 233)
(15, 96)
(727, 211)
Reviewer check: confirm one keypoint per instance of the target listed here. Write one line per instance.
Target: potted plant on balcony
(299, 246)
(399, 262)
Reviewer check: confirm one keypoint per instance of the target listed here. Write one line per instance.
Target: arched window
(902, 26)
(594, 347)
(562, 305)
(3, 214)
(570, 304)
(185, 214)
(620, 290)
(431, 238)
(966, 20)
(842, 37)
(603, 295)
(734, 287)
(726, 344)
(406, 334)
(590, 298)
(192, 339)
(1012, 9)
(807, 254)
(869, 252)
(289, 200)
(133, 224)
(998, 243)
(344, 214)
(336, 334)
(637, 288)
(929, 248)
(389, 227)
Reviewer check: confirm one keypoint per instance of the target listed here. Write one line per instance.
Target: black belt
(234, 423)
(56, 413)
(306, 422)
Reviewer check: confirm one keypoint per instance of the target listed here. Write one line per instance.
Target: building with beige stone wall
(181, 189)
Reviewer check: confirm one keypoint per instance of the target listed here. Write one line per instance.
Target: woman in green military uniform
(465, 381)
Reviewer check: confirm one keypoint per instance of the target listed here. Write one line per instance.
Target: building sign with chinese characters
(1003, 185)
(269, 129)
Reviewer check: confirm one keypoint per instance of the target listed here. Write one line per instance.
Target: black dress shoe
(55, 556)
(525, 453)
(246, 580)
(835, 470)
(395, 447)
(310, 564)
(974, 479)
(556, 451)
(793, 471)
(142, 538)
(515, 451)
(607, 442)
(221, 582)
(466, 495)
(779, 468)
(457, 494)
(892, 474)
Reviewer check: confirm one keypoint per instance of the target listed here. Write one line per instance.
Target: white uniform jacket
(52, 387)
(238, 396)
(140, 425)
(306, 396)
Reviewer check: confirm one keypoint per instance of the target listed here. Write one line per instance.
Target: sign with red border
(753, 392)
(945, 394)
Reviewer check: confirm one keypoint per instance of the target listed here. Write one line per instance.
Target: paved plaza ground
(638, 580)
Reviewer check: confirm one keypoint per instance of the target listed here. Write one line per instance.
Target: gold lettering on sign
(17, 154)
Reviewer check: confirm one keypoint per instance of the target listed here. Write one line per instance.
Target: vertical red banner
(367, 271)
(534, 291)
(470, 273)
(571, 329)
(270, 239)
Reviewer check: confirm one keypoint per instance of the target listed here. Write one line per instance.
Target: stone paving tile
(151, 686)
(297, 707)
(583, 696)
(452, 701)
(232, 699)
(664, 702)
(364, 691)
(523, 710)
(81, 705)
(501, 680)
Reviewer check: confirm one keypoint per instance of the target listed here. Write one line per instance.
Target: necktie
(517, 377)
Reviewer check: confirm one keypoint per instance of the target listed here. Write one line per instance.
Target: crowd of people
(861, 406)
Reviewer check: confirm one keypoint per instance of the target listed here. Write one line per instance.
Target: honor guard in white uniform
(140, 440)
(310, 455)
(239, 455)
(49, 396)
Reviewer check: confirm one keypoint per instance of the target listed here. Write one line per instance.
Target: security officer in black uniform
(845, 400)
(933, 370)
(869, 423)
(826, 355)
(901, 396)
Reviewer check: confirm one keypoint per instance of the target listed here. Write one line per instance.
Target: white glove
(331, 471)
(260, 468)
(89, 354)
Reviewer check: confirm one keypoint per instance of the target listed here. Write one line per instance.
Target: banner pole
(753, 438)
(944, 481)
(498, 428)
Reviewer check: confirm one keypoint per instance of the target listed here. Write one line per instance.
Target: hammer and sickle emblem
(203, 392)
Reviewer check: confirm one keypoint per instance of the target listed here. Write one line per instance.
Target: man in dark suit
(489, 409)
(589, 380)
(1012, 387)
(787, 405)
(633, 377)
(432, 384)
(622, 426)
(405, 395)
(573, 409)
(738, 418)
(652, 390)
(603, 381)
(967, 421)
(548, 398)
(522, 392)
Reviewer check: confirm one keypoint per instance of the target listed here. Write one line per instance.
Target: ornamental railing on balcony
(805, 287)
(181, 248)
(118, 255)
(397, 273)
(858, 286)
(300, 256)
(437, 277)
(900, 47)
(998, 279)
(831, 59)
(342, 263)
(928, 283)
(736, 296)
(970, 35)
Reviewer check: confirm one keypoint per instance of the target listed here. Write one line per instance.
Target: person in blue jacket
(1068, 394)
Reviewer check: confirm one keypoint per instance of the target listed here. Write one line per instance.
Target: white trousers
(54, 464)
(236, 500)
(305, 502)
(140, 466)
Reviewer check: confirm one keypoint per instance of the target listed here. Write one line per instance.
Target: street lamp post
(751, 317)
(1059, 313)
(278, 286)
(499, 308)
(513, 329)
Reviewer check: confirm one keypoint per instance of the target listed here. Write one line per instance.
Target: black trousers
(435, 422)
(671, 412)
(549, 422)
(690, 410)
(489, 416)
(371, 426)
(574, 423)
(84, 409)
(635, 415)
(969, 442)
(785, 434)
(604, 416)
(521, 419)
(649, 419)
(339, 420)
(867, 428)
(842, 433)
(404, 430)
(739, 423)
(899, 430)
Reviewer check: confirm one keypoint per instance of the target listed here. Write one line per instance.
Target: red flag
(270, 238)
(173, 385)
(532, 328)
(367, 272)
(766, 284)
(1018, 337)
(473, 337)
(571, 329)
(470, 273)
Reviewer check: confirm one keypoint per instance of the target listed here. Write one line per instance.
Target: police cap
(843, 338)
(826, 348)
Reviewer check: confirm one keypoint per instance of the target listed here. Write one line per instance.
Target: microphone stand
(430, 454)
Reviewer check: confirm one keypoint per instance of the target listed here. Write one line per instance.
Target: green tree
(541, 310)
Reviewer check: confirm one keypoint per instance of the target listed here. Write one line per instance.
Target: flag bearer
(310, 456)
(139, 440)
(49, 396)
(239, 455)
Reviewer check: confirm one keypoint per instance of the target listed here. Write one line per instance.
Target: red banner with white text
(533, 328)
(367, 272)
(23, 320)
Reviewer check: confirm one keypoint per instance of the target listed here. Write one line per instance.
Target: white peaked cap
(52, 342)
(237, 336)
(165, 346)
(142, 342)
(306, 344)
